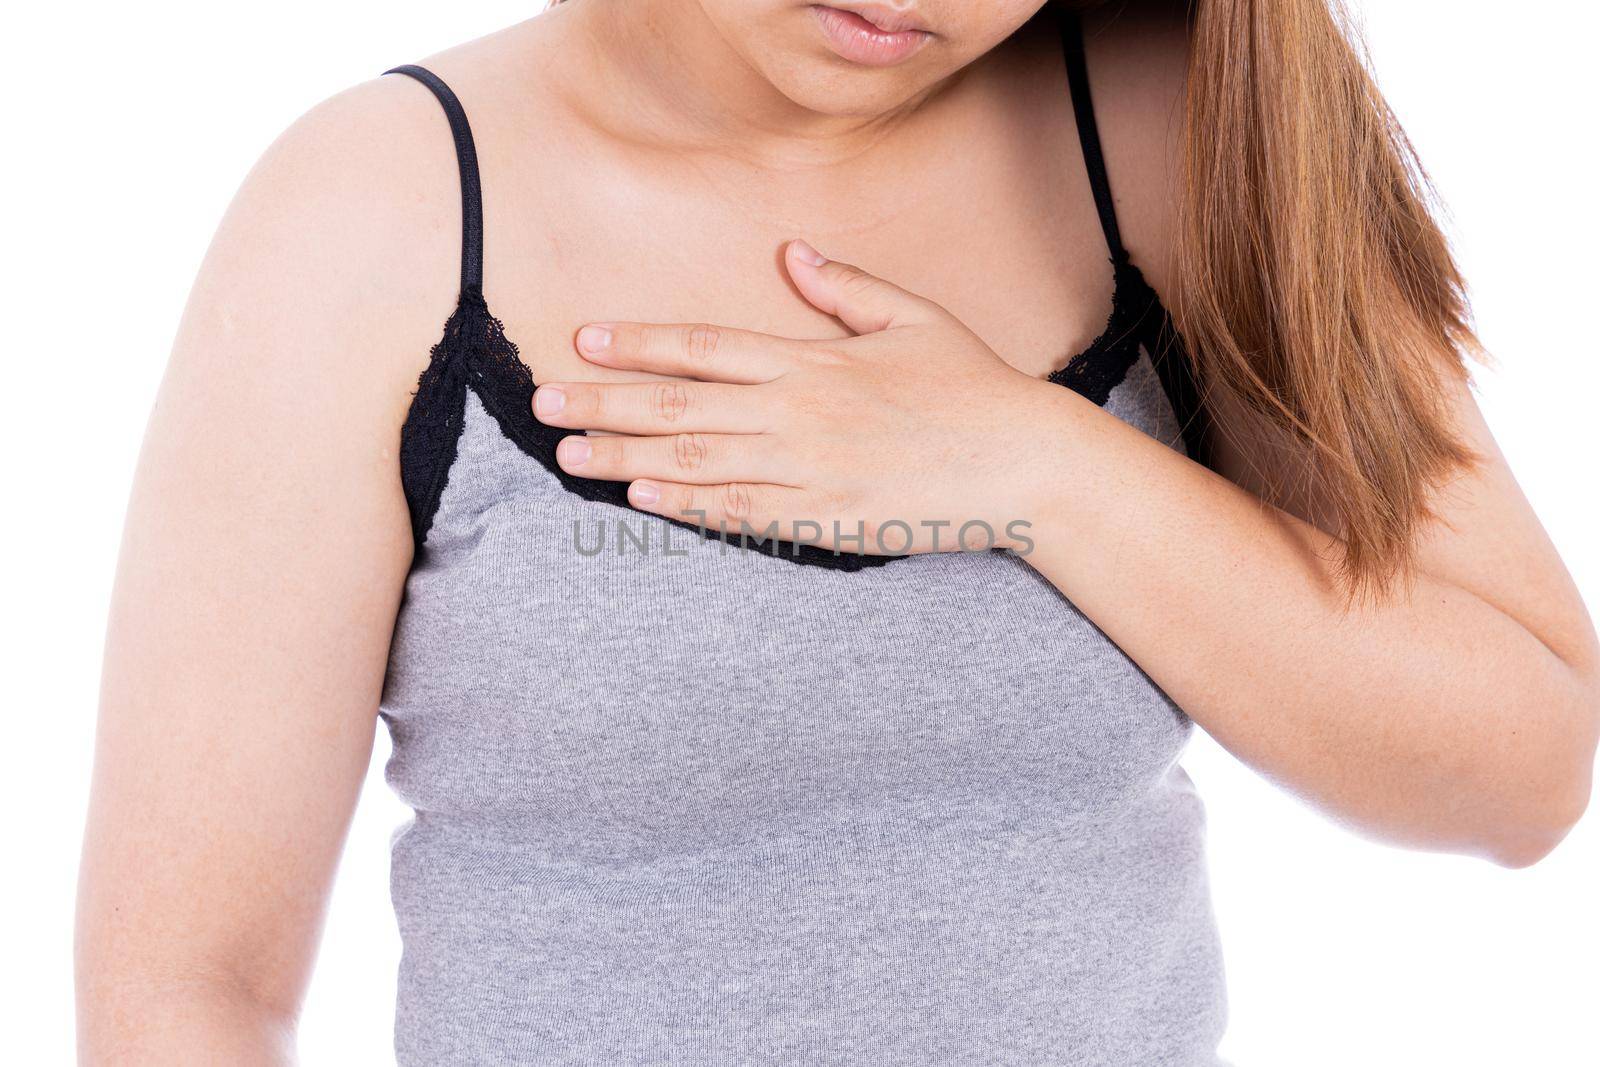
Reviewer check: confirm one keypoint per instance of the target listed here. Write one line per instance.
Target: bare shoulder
(324, 290)
(338, 261)
(1138, 52)
(346, 229)
(353, 213)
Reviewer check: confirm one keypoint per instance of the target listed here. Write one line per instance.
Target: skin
(646, 163)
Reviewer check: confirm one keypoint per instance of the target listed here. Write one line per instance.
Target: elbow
(1526, 844)
(1545, 807)
(164, 1003)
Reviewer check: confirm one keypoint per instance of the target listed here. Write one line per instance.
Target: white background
(128, 126)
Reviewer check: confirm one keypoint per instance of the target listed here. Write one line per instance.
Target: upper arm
(262, 562)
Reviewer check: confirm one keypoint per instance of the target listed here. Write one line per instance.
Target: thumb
(861, 301)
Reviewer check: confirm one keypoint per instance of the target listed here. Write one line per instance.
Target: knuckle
(585, 401)
(701, 343)
(738, 501)
(610, 453)
(857, 282)
(806, 404)
(690, 451)
(832, 502)
(829, 356)
(669, 401)
(626, 340)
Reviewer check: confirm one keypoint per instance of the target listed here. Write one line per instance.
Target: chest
(995, 223)
(601, 680)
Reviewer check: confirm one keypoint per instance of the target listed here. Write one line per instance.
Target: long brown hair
(1313, 282)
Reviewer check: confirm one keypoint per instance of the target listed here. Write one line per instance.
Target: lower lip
(859, 41)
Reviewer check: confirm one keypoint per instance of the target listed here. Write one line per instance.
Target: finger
(751, 509)
(650, 407)
(861, 301)
(689, 350)
(700, 458)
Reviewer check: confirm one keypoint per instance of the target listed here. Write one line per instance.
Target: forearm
(1460, 713)
(1430, 717)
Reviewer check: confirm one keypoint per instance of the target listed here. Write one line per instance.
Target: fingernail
(806, 254)
(594, 339)
(548, 399)
(644, 493)
(574, 451)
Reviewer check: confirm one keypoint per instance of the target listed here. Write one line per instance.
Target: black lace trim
(475, 353)
(433, 425)
(1101, 367)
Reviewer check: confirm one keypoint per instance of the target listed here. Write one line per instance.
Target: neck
(660, 73)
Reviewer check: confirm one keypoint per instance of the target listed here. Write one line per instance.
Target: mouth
(871, 34)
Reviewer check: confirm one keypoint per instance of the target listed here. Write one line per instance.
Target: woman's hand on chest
(911, 436)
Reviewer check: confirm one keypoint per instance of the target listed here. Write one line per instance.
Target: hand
(909, 437)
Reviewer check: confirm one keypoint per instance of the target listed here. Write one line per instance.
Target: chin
(850, 95)
(831, 59)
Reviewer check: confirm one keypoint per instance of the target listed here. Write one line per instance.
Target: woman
(863, 748)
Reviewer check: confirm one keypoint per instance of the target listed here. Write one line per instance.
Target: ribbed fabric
(715, 808)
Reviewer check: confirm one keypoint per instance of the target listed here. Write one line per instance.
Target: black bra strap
(1094, 159)
(471, 189)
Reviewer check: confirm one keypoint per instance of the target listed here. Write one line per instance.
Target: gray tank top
(682, 801)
